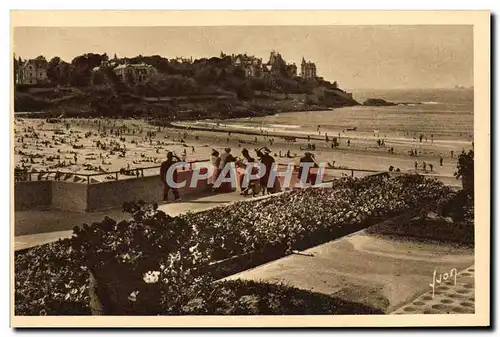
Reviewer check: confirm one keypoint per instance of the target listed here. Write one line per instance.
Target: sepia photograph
(182, 169)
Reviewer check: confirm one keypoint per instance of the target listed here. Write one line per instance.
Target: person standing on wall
(215, 161)
(310, 177)
(171, 159)
(247, 164)
(267, 160)
(225, 159)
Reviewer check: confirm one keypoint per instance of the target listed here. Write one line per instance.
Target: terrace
(267, 244)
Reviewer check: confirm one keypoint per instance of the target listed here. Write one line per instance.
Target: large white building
(137, 72)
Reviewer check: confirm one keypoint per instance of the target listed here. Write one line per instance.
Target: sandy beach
(91, 146)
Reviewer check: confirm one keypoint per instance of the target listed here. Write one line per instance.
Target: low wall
(113, 194)
(32, 194)
(69, 196)
(83, 197)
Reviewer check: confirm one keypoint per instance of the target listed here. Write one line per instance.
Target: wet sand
(358, 150)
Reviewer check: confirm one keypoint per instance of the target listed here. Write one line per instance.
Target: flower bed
(255, 298)
(50, 281)
(156, 264)
(300, 219)
(453, 223)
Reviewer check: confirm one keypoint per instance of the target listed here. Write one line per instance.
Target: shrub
(157, 264)
(465, 170)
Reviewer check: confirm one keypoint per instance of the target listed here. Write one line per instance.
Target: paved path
(449, 297)
(378, 272)
(36, 227)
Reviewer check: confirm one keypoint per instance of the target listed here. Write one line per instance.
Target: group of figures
(254, 176)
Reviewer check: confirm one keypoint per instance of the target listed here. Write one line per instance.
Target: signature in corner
(442, 277)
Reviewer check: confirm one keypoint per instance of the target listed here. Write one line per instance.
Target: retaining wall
(83, 197)
(32, 194)
(72, 196)
(69, 196)
(113, 194)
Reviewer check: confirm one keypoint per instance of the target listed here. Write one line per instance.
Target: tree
(465, 170)
(63, 70)
(206, 75)
(81, 68)
(97, 77)
(257, 84)
(239, 72)
(52, 69)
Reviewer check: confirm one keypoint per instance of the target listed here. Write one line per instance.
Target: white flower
(151, 276)
(193, 248)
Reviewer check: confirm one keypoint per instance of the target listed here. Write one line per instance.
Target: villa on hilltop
(307, 69)
(136, 73)
(255, 68)
(127, 72)
(32, 71)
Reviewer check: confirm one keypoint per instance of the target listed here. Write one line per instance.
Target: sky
(358, 57)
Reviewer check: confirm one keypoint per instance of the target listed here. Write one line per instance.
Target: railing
(25, 175)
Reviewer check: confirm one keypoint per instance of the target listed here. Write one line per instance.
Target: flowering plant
(157, 264)
(146, 265)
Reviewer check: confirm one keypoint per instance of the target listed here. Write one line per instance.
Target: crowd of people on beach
(108, 146)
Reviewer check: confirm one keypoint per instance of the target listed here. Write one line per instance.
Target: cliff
(106, 101)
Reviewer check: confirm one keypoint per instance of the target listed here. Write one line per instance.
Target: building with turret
(276, 66)
(291, 70)
(307, 69)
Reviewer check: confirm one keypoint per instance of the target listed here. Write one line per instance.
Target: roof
(36, 63)
(138, 65)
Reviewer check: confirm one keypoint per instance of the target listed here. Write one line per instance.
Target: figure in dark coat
(171, 159)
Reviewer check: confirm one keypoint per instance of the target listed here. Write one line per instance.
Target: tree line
(202, 76)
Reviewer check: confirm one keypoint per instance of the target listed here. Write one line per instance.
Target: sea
(446, 114)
